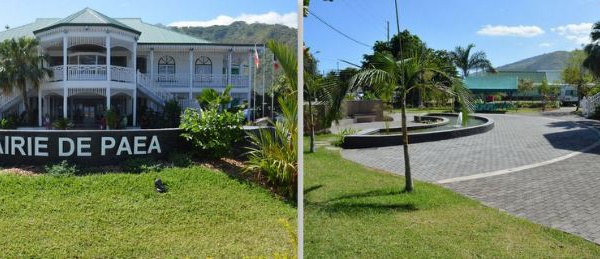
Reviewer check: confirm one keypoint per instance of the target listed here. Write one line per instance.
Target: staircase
(9, 100)
(159, 94)
(588, 104)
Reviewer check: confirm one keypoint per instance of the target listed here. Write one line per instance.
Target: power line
(338, 31)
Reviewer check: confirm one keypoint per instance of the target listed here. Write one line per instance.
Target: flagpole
(272, 91)
(254, 90)
(263, 83)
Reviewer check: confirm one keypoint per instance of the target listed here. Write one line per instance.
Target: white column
(40, 106)
(151, 65)
(250, 72)
(108, 72)
(135, 84)
(65, 67)
(229, 67)
(191, 96)
(40, 93)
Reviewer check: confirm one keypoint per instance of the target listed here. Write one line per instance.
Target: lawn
(353, 211)
(204, 213)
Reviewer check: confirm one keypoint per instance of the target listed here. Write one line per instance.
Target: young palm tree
(467, 61)
(20, 66)
(275, 153)
(404, 75)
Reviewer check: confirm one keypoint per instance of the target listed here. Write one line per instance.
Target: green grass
(355, 212)
(204, 213)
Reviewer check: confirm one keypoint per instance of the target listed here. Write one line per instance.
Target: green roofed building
(100, 62)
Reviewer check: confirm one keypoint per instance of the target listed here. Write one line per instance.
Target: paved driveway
(528, 166)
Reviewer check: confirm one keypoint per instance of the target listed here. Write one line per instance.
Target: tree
(211, 99)
(403, 75)
(577, 72)
(275, 153)
(20, 67)
(592, 61)
(466, 61)
(547, 92)
(524, 86)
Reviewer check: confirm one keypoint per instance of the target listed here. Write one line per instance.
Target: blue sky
(16, 13)
(507, 30)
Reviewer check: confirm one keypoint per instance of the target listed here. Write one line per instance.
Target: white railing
(172, 79)
(8, 98)
(588, 104)
(122, 74)
(145, 82)
(186, 103)
(239, 81)
(57, 74)
(86, 72)
(210, 80)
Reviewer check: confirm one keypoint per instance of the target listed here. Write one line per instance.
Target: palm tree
(275, 153)
(592, 61)
(404, 76)
(21, 66)
(466, 61)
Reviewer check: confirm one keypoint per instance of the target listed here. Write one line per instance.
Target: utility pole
(388, 31)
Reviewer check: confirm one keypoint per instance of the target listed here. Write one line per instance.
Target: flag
(275, 63)
(256, 60)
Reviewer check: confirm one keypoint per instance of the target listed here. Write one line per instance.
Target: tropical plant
(212, 133)
(209, 98)
(405, 75)
(274, 154)
(592, 61)
(63, 123)
(172, 113)
(111, 119)
(20, 67)
(548, 93)
(579, 70)
(467, 61)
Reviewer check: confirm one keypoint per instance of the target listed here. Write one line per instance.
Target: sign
(91, 147)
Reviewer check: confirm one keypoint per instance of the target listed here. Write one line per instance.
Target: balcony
(200, 80)
(92, 73)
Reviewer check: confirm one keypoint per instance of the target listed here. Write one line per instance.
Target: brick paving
(563, 195)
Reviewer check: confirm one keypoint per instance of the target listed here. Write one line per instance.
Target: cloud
(288, 19)
(516, 31)
(545, 45)
(579, 33)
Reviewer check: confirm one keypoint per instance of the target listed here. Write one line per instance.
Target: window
(203, 65)
(166, 65)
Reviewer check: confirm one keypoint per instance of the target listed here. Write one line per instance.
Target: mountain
(550, 61)
(241, 32)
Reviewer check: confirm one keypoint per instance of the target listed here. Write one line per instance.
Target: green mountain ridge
(241, 32)
(556, 60)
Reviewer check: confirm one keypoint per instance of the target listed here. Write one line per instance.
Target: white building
(101, 62)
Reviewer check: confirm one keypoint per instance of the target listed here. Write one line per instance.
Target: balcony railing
(92, 73)
(200, 80)
(86, 72)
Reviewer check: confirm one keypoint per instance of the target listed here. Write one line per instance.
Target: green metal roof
(158, 35)
(492, 83)
(88, 17)
(26, 30)
(149, 34)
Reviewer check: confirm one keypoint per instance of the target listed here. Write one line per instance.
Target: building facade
(99, 62)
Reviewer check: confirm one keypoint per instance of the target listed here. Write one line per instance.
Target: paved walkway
(536, 170)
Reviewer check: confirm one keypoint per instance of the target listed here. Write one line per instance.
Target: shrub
(111, 119)
(62, 169)
(10, 122)
(274, 152)
(180, 160)
(63, 123)
(141, 165)
(212, 133)
(172, 113)
(339, 137)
